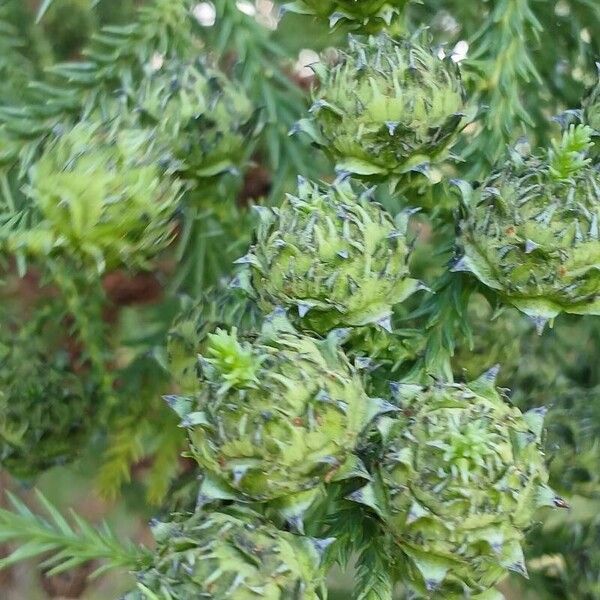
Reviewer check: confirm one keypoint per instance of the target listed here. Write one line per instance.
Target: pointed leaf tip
(492, 374)
(391, 126)
(342, 175)
(244, 260)
(303, 309)
(339, 335)
(561, 503)
(386, 323)
(520, 569)
(364, 363)
(382, 406)
(261, 210)
(461, 264)
(357, 496)
(322, 544)
(170, 400)
(335, 18)
(296, 523)
(530, 246)
(546, 496)
(539, 323)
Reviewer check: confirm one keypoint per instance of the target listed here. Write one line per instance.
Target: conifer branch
(502, 71)
(62, 545)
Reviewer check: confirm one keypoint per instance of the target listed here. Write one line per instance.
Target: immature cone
(220, 556)
(332, 257)
(102, 198)
(387, 108)
(275, 417)
(460, 477)
(366, 15)
(531, 232)
(203, 117)
(46, 410)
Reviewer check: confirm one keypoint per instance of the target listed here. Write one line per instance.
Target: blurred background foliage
(525, 62)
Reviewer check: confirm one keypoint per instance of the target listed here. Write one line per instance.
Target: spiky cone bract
(459, 478)
(368, 16)
(224, 556)
(530, 232)
(387, 109)
(46, 408)
(276, 418)
(102, 199)
(203, 118)
(331, 257)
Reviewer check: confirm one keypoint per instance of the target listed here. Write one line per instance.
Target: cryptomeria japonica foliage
(313, 284)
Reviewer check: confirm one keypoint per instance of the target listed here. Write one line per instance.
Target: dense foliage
(312, 284)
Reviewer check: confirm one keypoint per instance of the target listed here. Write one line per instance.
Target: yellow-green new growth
(236, 556)
(386, 108)
(332, 256)
(530, 232)
(234, 361)
(102, 199)
(459, 479)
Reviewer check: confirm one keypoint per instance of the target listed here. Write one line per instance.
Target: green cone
(102, 199)
(459, 479)
(201, 116)
(387, 108)
(530, 232)
(217, 556)
(332, 257)
(275, 417)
